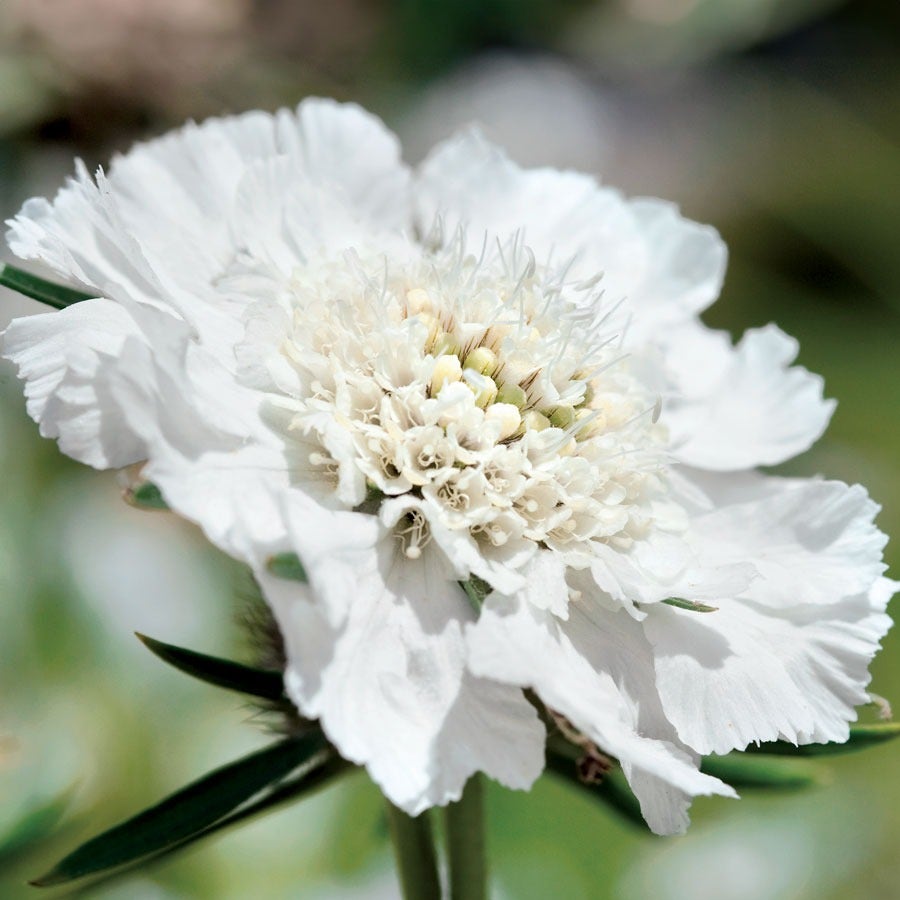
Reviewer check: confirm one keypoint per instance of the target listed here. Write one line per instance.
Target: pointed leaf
(286, 565)
(288, 791)
(861, 738)
(56, 295)
(743, 770)
(146, 495)
(265, 683)
(192, 810)
(691, 605)
(613, 790)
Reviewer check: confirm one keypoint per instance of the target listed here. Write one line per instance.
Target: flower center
(492, 391)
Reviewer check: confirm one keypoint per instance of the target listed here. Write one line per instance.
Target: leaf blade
(56, 295)
(190, 811)
(265, 683)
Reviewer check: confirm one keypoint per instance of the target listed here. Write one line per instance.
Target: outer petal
(190, 178)
(749, 672)
(389, 684)
(578, 671)
(811, 541)
(663, 565)
(469, 182)
(668, 267)
(739, 409)
(68, 361)
(686, 265)
(284, 218)
(158, 228)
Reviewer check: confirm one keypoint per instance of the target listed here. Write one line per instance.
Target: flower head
(470, 374)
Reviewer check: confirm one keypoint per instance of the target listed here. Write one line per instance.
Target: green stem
(465, 843)
(414, 852)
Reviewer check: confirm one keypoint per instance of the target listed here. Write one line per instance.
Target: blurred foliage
(779, 122)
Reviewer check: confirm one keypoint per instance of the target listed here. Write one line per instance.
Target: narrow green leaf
(146, 495)
(56, 295)
(743, 770)
(691, 605)
(862, 737)
(265, 683)
(286, 565)
(288, 791)
(191, 811)
(613, 790)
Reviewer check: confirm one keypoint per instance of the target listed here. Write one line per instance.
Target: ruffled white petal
(750, 672)
(68, 360)
(738, 409)
(667, 267)
(811, 541)
(469, 182)
(787, 656)
(159, 227)
(284, 218)
(578, 671)
(664, 565)
(389, 685)
(686, 265)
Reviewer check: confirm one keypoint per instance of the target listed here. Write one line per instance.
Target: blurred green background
(776, 120)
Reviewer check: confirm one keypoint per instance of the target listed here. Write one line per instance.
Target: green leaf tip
(691, 605)
(287, 566)
(56, 295)
(265, 683)
(146, 495)
(194, 811)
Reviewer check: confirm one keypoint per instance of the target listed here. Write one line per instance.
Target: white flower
(472, 371)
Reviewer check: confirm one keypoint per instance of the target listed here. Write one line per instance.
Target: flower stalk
(413, 842)
(466, 860)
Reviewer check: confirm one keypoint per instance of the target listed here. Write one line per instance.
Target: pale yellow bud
(447, 369)
(483, 387)
(481, 360)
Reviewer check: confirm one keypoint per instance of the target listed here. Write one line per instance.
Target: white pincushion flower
(469, 373)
